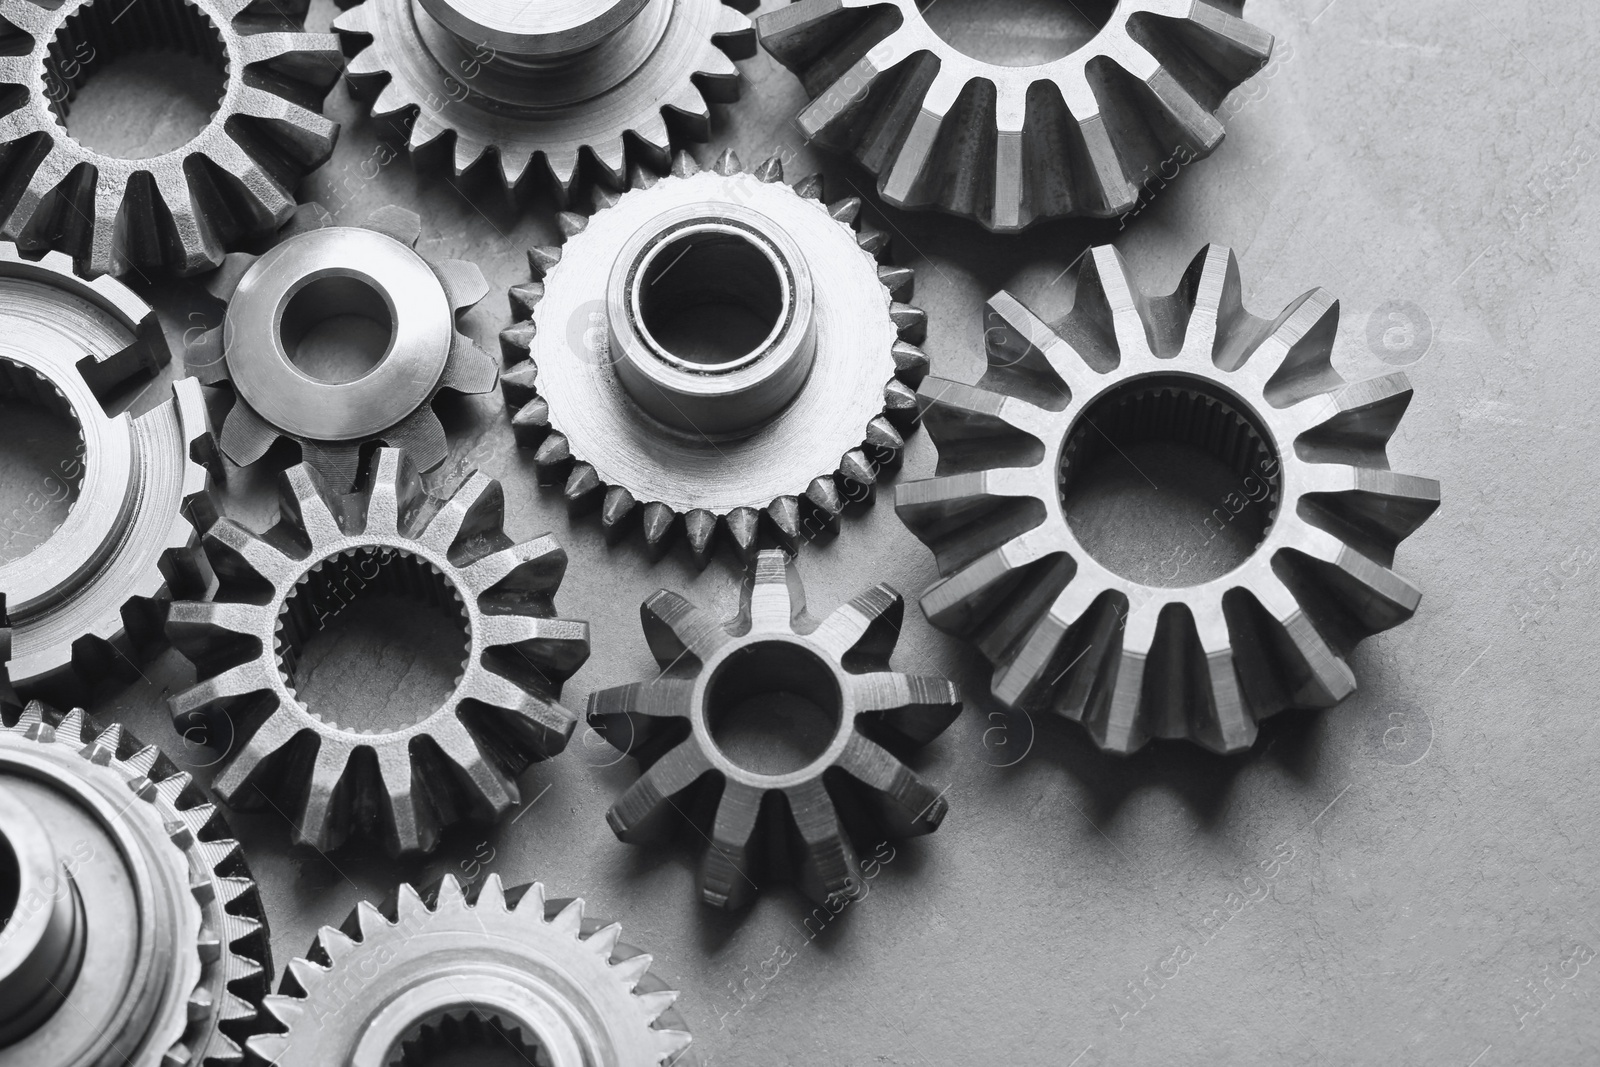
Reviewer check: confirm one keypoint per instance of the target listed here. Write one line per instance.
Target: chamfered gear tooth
(451, 551)
(758, 819)
(1134, 660)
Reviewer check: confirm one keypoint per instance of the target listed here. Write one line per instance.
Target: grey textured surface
(1405, 879)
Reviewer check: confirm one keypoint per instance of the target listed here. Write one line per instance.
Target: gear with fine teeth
(319, 272)
(1009, 145)
(709, 352)
(402, 782)
(800, 811)
(134, 936)
(541, 85)
(180, 210)
(1129, 658)
(390, 979)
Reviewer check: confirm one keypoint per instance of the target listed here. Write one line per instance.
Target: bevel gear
(803, 823)
(90, 599)
(783, 428)
(1129, 659)
(401, 784)
(562, 984)
(538, 86)
(135, 936)
(312, 275)
(182, 209)
(1081, 135)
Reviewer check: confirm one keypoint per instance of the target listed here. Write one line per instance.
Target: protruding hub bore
(41, 923)
(542, 29)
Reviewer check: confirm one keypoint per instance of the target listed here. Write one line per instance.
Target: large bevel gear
(802, 824)
(783, 433)
(90, 599)
(457, 760)
(563, 987)
(320, 272)
(549, 84)
(135, 936)
(1131, 660)
(1008, 146)
(182, 209)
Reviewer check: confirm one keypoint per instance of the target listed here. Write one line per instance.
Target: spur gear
(539, 86)
(182, 209)
(134, 935)
(371, 271)
(390, 978)
(712, 348)
(1081, 135)
(1133, 658)
(89, 600)
(403, 783)
(794, 811)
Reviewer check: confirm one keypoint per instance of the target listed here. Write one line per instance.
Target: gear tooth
(859, 473)
(770, 170)
(542, 259)
(552, 457)
(642, 177)
(809, 187)
(909, 321)
(569, 920)
(910, 363)
(670, 1044)
(873, 241)
(409, 906)
(492, 894)
(728, 163)
(516, 342)
(824, 494)
(618, 508)
(369, 920)
(583, 486)
(307, 975)
(684, 165)
(450, 897)
(71, 729)
(884, 441)
(631, 971)
(531, 898)
(900, 281)
(103, 748)
(525, 298)
(31, 720)
(744, 526)
(701, 527)
(659, 523)
(656, 1004)
(531, 424)
(900, 404)
(604, 198)
(846, 211)
(785, 515)
(335, 943)
(604, 940)
(571, 223)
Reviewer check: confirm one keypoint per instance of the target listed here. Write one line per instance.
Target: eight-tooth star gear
(456, 760)
(800, 823)
(1011, 145)
(1127, 659)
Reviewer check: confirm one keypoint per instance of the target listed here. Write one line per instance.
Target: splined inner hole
(1167, 482)
(468, 1040)
(136, 78)
(373, 640)
(1017, 33)
(710, 297)
(10, 881)
(337, 328)
(773, 707)
(41, 460)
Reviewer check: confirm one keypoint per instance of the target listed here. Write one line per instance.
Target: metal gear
(458, 759)
(182, 209)
(1082, 135)
(549, 82)
(1129, 659)
(790, 423)
(323, 271)
(134, 936)
(386, 978)
(91, 598)
(802, 820)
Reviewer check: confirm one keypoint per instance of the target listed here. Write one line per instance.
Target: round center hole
(1017, 33)
(41, 461)
(710, 297)
(136, 78)
(373, 640)
(10, 881)
(1166, 481)
(337, 328)
(773, 707)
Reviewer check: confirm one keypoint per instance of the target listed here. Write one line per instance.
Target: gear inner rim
(23, 385)
(1096, 14)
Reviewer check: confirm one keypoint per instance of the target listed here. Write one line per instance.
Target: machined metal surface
(801, 814)
(559, 989)
(181, 210)
(780, 427)
(134, 935)
(396, 783)
(1083, 135)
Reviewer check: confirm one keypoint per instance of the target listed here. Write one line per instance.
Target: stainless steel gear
(133, 934)
(1081, 135)
(573, 994)
(401, 784)
(182, 209)
(90, 599)
(636, 403)
(1161, 655)
(372, 272)
(795, 810)
(541, 86)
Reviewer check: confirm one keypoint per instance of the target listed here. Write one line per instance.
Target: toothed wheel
(370, 271)
(540, 86)
(403, 783)
(1164, 656)
(795, 809)
(134, 934)
(385, 980)
(709, 352)
(1010, 145)
(182, 209)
